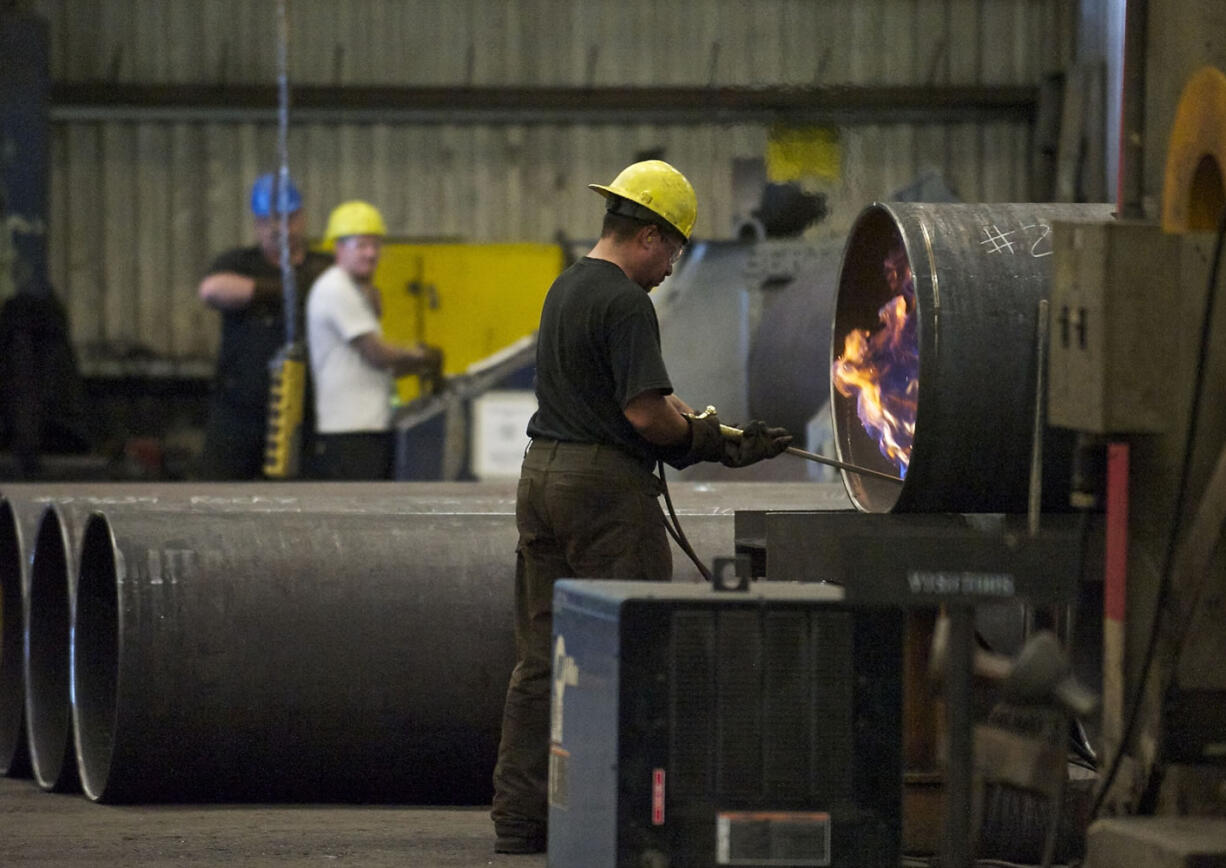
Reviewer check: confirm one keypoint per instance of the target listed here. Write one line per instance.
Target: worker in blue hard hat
(245, 285)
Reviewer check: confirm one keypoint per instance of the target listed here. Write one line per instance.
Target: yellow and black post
(286, 399)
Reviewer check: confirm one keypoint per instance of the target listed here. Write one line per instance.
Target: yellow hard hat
(353, 218)
(660, 189)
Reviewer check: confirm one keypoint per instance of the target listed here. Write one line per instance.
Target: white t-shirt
(350, 393)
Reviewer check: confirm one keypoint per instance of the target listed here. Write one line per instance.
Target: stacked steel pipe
(290, 641)
(22, 508)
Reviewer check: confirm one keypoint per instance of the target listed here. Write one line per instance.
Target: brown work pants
(583, 511)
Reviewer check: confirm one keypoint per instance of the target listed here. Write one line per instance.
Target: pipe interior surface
(978, 273)
(48, 628)
(95, 658)
(788, 367)
(14, 754)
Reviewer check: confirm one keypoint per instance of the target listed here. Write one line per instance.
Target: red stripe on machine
(1115, 567)
(657, 797)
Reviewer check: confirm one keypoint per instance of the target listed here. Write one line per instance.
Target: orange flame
(880, 369)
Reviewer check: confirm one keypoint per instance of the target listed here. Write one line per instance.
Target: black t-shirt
(251, 336)
(598, 347)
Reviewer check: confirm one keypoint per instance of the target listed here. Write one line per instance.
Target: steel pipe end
(95, 658)
(935, 369)
(14, 755)
(47, 640)
(863, 290)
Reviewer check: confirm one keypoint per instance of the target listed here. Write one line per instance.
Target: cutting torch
(731, 433)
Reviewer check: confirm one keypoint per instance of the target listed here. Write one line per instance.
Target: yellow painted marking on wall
(793, 153)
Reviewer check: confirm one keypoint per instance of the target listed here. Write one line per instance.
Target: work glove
(705, 443)
(758, 442)
(708, 443)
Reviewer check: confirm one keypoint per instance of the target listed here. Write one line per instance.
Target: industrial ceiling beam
(842, 105)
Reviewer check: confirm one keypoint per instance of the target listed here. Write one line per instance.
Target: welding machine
(694, 727)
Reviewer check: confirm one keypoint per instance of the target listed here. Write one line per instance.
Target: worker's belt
(545, 454)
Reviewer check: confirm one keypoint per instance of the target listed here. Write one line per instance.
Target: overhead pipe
(85, 101)
(979, 272)
(1130, 193)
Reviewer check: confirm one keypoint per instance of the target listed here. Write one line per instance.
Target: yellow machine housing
(471, 300)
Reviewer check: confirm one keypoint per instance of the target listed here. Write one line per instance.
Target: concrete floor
(39, 828)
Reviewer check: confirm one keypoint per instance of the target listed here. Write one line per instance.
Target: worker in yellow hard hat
(587, 503)
(352, 364)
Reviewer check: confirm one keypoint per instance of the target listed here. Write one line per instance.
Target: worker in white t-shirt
(353, 366)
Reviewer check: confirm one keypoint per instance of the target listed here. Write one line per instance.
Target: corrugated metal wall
(139, 207)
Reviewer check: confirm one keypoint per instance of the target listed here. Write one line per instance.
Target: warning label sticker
(559, 777)
(772, 838)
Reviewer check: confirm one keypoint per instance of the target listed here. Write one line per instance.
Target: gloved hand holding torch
(712, 441)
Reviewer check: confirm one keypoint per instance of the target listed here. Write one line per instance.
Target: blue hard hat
(288, 202)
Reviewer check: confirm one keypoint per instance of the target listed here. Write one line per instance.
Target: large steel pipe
(50, 581)
(961, 356)
(21, 509)
(337, 652)
(53, 570)
(328, 655)
(706, 510)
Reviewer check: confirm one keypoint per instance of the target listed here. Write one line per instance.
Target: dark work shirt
(598, 347)
(251, 336)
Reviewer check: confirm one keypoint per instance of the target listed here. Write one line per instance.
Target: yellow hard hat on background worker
(656, 186)
(353, 218)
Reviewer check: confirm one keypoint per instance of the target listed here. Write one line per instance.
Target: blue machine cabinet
(692, 727)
